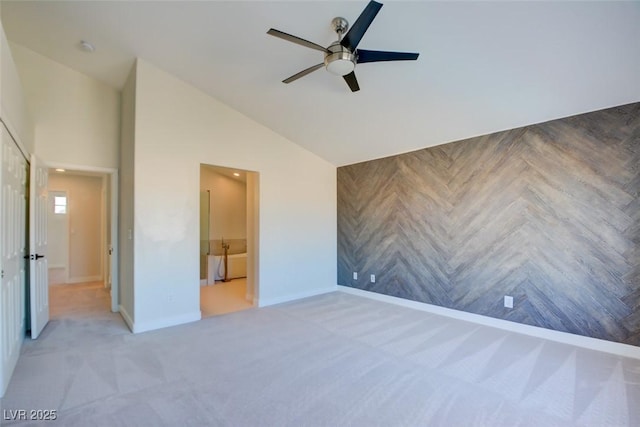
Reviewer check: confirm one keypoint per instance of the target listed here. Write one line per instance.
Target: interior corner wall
(177, 128)
(126, 253)
(77, 118)
(548, 214)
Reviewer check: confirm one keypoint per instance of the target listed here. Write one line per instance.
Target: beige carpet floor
(331, 360)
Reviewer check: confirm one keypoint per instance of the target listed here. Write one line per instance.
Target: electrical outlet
(170, 297)
(508, 301)
(355, 275)
(373, 278)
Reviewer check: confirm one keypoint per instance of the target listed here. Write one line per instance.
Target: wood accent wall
(548, 214)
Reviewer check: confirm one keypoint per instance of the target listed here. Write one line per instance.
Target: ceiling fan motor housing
(339, 60)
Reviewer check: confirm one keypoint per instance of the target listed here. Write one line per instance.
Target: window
(60, 204)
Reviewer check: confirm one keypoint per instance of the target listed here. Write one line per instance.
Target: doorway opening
(228, 239)
(82, 233)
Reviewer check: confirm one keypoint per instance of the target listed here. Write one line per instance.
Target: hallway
(79, 300)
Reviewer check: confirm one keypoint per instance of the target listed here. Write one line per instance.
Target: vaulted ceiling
(483, 66)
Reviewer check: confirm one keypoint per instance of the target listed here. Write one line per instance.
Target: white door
(13, 202)
(38, 279)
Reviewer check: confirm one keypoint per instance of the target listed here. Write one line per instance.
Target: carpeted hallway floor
(331, 360)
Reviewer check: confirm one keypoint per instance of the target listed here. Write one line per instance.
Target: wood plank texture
(548, 213)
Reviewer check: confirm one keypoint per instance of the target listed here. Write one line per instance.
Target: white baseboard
(139, 327)
(204, 282)
(126, 317)
(618, 349)
(264, 302)
(84, 279)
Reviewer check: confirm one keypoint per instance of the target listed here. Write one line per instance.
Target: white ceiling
(483, 66)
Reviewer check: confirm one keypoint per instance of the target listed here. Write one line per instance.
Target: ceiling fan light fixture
(340, 67)
(339, 60)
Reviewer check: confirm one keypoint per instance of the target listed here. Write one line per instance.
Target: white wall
(13, 101)
(85, 245)
(176, 129)
(77, 118)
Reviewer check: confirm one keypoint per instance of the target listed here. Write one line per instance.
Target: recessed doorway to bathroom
(228, 239)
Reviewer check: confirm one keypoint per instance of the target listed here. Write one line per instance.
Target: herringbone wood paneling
(547, 213)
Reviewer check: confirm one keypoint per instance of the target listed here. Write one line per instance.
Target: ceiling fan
(341, 57)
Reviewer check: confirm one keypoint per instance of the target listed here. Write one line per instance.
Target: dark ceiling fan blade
(352, 81)
(355, 33)
(303, 73)
(297, 40)
(378, 56)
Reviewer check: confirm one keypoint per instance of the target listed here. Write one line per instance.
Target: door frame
(252, 208)
(112, 175)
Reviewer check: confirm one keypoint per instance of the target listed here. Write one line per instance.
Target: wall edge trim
(126, 317)
(618, 349)
(265, 302)
(166, 322)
